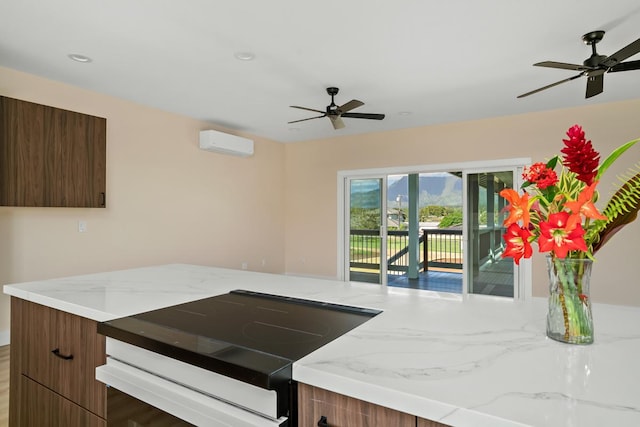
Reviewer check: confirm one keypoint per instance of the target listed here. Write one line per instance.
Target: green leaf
(549, 193)
(551, 164)
(614, 156)
(621, 210)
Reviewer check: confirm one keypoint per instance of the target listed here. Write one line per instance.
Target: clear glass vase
(569, 316)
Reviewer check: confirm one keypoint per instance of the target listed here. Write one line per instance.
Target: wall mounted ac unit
(220, 142)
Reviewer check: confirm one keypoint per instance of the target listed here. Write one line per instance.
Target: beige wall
(167, 200)
(311, 181)
(170, 202)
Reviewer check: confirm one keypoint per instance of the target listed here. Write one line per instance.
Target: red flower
(561, 234)
(579, 155)
(584, 205)
(540, 175)
(518, 208)
(518, 245)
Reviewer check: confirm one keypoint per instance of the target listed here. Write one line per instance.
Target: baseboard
(4, 338)
(311, 276)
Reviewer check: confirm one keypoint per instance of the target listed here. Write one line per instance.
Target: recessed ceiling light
(404, 113)
(244, 56)
(79, 58)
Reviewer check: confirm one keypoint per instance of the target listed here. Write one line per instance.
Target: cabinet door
(76, 173)
(61, 352)
(426, 423)
(15, 361)
(50, 156)
(42, 407)
(23, 148)
(343, 411)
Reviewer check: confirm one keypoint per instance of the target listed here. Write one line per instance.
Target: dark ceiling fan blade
(310, 118)
(561, 65)
(596, 65)
(354, 103)
(370, 116)
(595, 85)
(624, 53)
(625, 66)
(308, 109)
(335, 113)
(550, 86)
(336, 121)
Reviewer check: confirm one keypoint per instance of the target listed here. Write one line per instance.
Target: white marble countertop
(464, 361)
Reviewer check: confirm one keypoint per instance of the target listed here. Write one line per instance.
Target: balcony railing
(442, 248)
(439, 248)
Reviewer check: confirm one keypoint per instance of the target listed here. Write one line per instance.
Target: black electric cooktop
(249, 336)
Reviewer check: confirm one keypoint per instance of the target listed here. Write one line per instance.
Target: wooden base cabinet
(421, 422)
(323, 408)
(46, 408)
(52, 372)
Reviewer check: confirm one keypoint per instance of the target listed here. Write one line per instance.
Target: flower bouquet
(558, 212)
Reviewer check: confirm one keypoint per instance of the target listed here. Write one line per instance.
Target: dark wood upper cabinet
(51, 157)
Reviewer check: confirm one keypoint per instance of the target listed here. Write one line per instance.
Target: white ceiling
(442, 61)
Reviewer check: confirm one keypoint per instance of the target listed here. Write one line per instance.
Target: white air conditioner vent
(220, 142)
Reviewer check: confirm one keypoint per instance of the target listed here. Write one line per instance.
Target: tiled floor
(431, 281)
(493, 279)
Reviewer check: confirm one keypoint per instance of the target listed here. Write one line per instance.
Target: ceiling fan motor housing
(335, 112)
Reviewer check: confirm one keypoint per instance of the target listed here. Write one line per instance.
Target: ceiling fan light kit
(595, 66)
(335, 113)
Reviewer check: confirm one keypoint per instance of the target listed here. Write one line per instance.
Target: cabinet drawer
(343, 411)
(61, 351)
(42, 407)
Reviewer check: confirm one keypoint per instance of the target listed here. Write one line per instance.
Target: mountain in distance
(435, 190)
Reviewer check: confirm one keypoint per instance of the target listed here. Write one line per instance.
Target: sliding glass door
(430, 228)
(366, 237)
(487, 272)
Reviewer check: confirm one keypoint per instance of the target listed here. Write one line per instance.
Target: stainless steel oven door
(189, 393)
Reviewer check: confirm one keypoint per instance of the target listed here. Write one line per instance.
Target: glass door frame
(523, 290)
(522, 286)
(346, 269)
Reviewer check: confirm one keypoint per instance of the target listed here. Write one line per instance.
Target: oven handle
(182, 402)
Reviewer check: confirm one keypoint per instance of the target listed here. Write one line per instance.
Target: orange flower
(518, 207)
(584, 205)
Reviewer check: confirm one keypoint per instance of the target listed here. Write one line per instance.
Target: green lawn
(369, 246)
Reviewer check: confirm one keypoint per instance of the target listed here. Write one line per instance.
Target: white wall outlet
(82, 226)
(245, 265)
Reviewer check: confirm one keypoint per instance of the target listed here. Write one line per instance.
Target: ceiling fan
(595, 66)
(335, 113)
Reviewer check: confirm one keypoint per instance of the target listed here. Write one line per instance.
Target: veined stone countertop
(464, 361)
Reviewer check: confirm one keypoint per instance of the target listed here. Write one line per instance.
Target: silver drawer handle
(56, 353)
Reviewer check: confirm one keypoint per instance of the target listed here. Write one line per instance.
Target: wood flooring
(4, 386)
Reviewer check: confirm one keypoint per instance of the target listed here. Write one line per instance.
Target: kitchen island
(459, 360)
